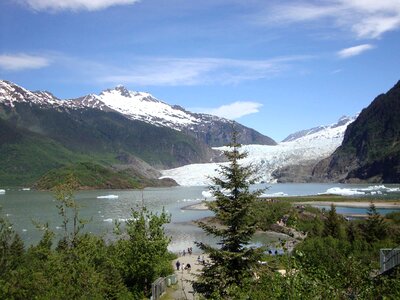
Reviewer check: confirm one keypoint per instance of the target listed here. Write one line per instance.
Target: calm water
(24, 207)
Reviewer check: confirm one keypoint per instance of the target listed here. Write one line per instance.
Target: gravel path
(185, 289)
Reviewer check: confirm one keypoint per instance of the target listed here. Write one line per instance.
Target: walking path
(185, 289)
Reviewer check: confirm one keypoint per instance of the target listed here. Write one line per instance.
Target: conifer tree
(375, 227)
(332, 224)
(233, 264)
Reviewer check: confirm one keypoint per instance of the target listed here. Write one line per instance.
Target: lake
(22, 207)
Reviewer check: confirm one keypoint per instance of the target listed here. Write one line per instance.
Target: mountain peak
(334, 130)
(140, 106)
(120, 89)
(123, 90)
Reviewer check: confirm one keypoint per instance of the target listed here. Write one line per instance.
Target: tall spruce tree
(375, 228)
(232, 265)
(332, 223)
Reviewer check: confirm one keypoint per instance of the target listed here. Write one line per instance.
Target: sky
(275, 66)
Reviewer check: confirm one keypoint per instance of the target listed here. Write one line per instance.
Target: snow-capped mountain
(321, 131)
(140, 106)
(11, 93)
(144, 107)
(212, 130)
(305, 149)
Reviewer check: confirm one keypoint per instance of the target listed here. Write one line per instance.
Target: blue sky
(276, 66)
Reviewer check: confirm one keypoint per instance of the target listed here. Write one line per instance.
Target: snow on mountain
(141, 106)
(212, 130)
(11, 93)
(311, 146)
(134, 105)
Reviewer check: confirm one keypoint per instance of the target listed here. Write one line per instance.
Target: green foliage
(372, 143)
(393, 217)
(266, 213)
(24, 162)
(83, 266)
(332, 224)
(231, 265)
(11, 248)
(143, 256)
(87, 175)
(374, 228)
(37, 140)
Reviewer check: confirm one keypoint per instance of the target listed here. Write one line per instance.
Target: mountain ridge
(370, 151)
(141, 106)
(87, 129)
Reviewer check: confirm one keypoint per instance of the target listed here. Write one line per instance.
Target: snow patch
(144, 107)
(370, 190)
(108, 197)
(277, 194)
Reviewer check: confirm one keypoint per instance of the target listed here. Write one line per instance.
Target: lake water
(23, 207)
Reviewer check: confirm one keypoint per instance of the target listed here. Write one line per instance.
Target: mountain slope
(212, 130)
(40, 132)
(371, 147)
(320, 131)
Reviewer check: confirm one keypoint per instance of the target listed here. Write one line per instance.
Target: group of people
(188, 251)
(201, 260)
(182, 266)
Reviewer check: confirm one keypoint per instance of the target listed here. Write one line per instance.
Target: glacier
(311, 145)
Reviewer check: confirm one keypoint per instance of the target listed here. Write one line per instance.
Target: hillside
(212, 130)
(94, 176)
(39, 139)
(370, 151)
(40, 132)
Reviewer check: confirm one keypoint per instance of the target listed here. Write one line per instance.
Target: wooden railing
(159, 286)
(389, 259)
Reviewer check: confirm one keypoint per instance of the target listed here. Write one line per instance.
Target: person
(188, 267)
(183, 267)
(178, 264)
(198, 259)
(184, 252)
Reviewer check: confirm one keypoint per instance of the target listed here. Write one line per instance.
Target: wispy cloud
(194, 71)
(353, 51)
(20, 62)
(74, 5)
(233, 110)
(156, 71)
(365, 18)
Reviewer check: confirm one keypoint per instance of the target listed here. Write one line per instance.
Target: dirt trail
(185, 289)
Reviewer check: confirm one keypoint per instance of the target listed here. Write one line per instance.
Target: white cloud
(365, 18)
(75, 5)
(234, 110)
(19, 62)
(353, 51)
(193, 71)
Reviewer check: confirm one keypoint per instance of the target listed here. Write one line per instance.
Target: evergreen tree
(375, 227)
(11, 247)
(332, 224)
(232, 265)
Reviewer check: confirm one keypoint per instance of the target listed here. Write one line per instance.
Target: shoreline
(351, 203)
(196, 206)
